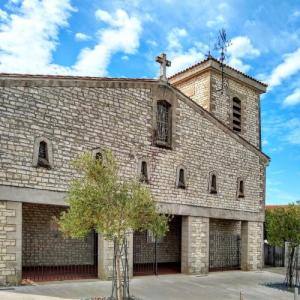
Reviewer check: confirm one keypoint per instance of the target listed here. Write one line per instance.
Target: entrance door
(158, 256)
(224, 252)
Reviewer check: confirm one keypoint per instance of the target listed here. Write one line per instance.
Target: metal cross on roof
(164, 63)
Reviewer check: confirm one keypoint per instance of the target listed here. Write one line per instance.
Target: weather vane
(222, 45)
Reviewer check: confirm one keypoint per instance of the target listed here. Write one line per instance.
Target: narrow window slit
(181, 180)
(43, 160)
(241, 189)
(213, 184)
(144, 172)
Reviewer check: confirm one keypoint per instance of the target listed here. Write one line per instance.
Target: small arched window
(213, 184)
(42, 153)
(144, 172)
(236, 115)
(241, 188)
(98, 156)
(163, 124)
(181, 179)
(43, 160)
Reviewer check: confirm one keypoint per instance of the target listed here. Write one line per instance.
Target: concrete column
(10, 242)
(106, 255)
(251, 246)
(195, 245)
(105, 258)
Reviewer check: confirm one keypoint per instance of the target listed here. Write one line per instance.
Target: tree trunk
(118, 271)
(291, 265)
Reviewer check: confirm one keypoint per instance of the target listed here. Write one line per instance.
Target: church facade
(193, 139)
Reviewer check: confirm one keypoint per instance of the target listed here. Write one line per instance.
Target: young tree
(283, 225)
(100, 200)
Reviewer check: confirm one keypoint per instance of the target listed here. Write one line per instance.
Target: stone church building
(194, 140)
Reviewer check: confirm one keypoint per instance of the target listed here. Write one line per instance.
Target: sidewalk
(215, 286)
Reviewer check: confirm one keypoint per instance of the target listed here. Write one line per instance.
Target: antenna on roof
(221, 45)
(208, 55)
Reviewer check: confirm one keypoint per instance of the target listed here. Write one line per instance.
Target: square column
(251, 246)
(10, 243)
(195, 245)
(106, 256)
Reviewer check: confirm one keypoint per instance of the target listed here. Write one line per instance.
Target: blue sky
(121, 39)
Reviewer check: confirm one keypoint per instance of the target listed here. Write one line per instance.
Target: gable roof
(223, 126)
(216, 64)
(27, 80)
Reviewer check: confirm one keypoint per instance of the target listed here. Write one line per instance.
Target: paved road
(216, 286)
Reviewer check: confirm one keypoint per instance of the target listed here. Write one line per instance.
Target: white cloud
(152, 43)
(124, 57)
(121, 36)
(241, 48)
(293, 136)
(3, 15)
(180, 57)
(296, 13)
(29, 35)
(293, 98)
(81, 37)
(181, 60)
(289, 67)
(174, 38)
(219, 21)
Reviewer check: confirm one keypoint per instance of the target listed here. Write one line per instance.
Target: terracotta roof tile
(70, 77)
(214, 59)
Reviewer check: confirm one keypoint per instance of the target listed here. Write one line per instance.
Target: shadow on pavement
(279, 286)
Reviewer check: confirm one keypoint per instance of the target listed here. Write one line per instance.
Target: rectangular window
(236, 115)
(163, 124)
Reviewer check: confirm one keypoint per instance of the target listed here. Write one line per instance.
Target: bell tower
(230, 95)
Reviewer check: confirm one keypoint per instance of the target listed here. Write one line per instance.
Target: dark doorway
(224, 251)
(47, 254)
(158, 256)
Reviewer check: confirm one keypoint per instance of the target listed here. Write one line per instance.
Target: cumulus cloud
(29, 37)
(174, 38)
(180, 57)
(81, 37)
(289, 67)
(122, 35)
(219, 21)
(293, 136)
(3, 15)
(293, 98)
(241, 47)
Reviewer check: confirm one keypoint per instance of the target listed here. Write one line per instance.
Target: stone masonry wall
(198, 88)
(10, 242)
(252, 245)
(78, 119)
(44, 245)
(221, 106)
(195, 245)
(225, 226)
